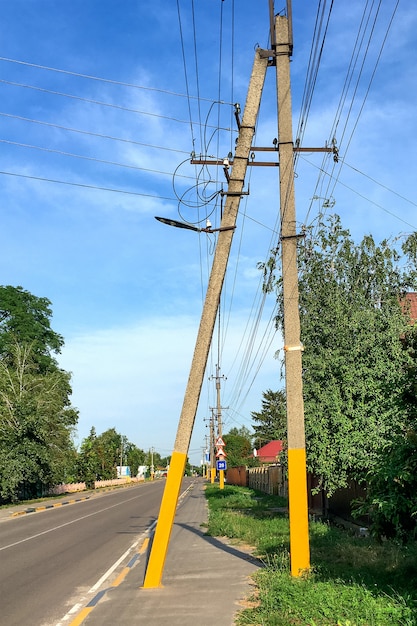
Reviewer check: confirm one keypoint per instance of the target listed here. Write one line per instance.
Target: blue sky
(127, 291)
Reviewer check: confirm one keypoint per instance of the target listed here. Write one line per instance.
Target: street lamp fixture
(177, 224)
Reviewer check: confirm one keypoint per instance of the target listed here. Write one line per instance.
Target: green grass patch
(354, 581)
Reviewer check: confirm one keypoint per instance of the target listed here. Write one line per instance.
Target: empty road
(51, 560)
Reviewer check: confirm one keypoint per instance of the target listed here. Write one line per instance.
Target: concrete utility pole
(297, 477)
(160, 543)
(219, 419)
(218, 403)
(212, 459)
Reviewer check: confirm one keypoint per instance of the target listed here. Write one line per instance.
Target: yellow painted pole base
(221, 479)
(298, 512)
(154, 570)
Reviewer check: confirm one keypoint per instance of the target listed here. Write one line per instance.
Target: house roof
(270, 452)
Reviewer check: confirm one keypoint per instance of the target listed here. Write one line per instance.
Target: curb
(47, 506)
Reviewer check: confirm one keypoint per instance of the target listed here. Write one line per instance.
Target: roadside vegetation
(354, 580)
(37, 420)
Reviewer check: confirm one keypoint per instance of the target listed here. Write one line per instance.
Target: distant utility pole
(219, 419)
(236, 180)
(212, 466)
(218, 402)
(297, 476)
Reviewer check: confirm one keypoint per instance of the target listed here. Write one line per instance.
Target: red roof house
(270, 452)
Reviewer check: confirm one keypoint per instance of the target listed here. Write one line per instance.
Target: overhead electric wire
(104, 80)
(355, 169)
(85, 185)
(340, 182)
(88, 158)
(358, 46)
(316, 53)
(185, 75)
(197, 73)
(91, 133)
(98, 102)
(369, 82)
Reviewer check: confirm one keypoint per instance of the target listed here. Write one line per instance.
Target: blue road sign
(221, 465)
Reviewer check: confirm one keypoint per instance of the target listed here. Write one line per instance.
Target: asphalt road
(51, 560)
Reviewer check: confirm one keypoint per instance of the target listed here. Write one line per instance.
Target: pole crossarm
(252, 163)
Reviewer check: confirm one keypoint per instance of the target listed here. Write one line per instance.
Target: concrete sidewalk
(205, 579)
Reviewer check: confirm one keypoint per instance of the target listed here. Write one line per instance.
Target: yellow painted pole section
(165, 520)
(297, 492)
(221, 479)
(212, 475)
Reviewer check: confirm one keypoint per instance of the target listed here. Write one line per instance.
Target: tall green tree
(391, 501)
(238, 447)
(36, 423)
(88, 461)
(134, 457)
(271, 422)
(100, 455)
(25, 318)
(353, 361)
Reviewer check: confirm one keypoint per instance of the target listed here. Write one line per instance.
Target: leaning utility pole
(236, 180)
(297, 477)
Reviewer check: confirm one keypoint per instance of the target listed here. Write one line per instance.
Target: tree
(391, 501)
(238, 447)
(36, 423)
(353, 362)
(25, 318)
(36, 418)
(135, 457)
(100, 455)
(88, 461)
(271, 421)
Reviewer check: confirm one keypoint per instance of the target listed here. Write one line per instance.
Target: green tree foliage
(271, 421)
(25, 318)
(391, 499)
(36, 419)
(36, 423)
(353, 363)
(100, 455)
(238, 447)
(134, 457)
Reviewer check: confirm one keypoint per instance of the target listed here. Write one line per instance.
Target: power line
(90, 133)
(86, 186)
(105, 80)
(337, 180)
(98, 102)
(87, 158)
(355, 169)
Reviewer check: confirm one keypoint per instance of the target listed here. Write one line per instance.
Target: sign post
(221, 462)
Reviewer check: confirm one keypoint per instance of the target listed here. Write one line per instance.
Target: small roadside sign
(221, 452)
(220, 443)
(221, 465)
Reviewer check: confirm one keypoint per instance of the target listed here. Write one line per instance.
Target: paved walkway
(204, 583)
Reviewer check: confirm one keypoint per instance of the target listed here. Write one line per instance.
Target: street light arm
(177, 224)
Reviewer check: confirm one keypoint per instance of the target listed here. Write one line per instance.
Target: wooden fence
(269, 479)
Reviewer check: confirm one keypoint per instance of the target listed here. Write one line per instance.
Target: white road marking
(79, 519)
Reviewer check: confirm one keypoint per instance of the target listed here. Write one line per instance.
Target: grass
(354, 581)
